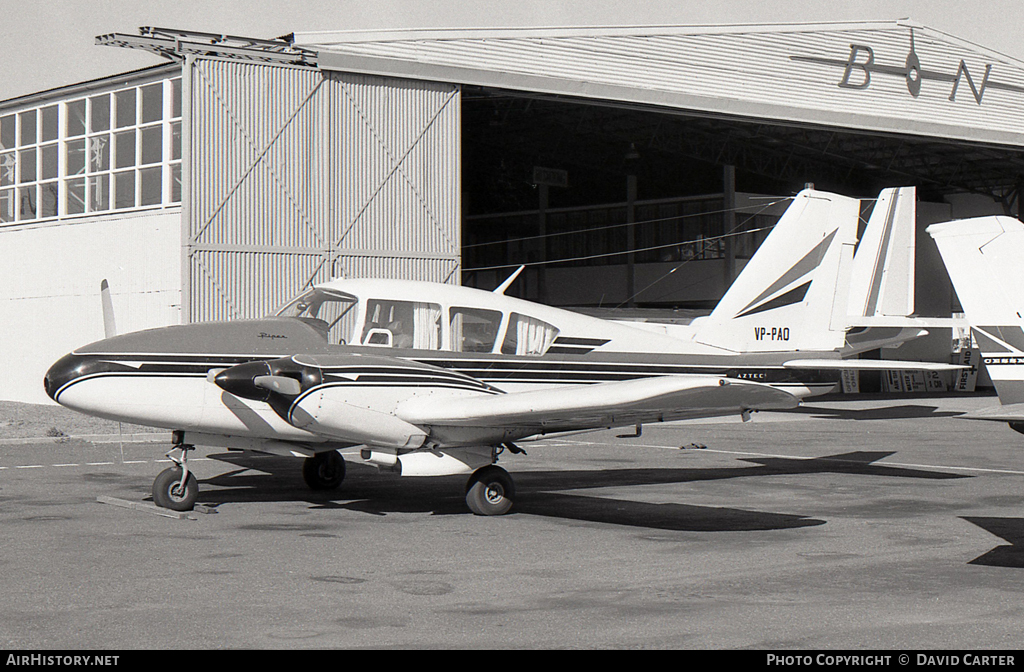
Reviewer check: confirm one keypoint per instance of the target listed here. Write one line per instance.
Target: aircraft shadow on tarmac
(542, 493)
(884, 413)
(1010, 529)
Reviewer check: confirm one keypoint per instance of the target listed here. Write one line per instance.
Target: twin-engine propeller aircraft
(434, 379)
(983, 257)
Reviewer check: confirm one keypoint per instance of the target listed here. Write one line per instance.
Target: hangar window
(102, 152)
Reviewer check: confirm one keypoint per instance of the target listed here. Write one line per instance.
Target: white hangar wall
(298, 175)
(50, 289)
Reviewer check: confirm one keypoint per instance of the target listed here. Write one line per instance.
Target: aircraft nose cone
(65, 370)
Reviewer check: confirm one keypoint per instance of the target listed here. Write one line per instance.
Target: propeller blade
(109, 328)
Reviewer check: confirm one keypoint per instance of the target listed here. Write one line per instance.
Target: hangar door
(297, 175)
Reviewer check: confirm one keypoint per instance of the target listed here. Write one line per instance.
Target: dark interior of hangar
(593, 217)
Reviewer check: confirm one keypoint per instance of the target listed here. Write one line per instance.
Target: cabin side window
(527, 336)
(331, 313)
(402, 324)
(474, 329)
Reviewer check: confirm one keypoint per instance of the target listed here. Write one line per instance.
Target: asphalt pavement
(874, 523)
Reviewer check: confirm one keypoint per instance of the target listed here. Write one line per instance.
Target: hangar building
(624, 166)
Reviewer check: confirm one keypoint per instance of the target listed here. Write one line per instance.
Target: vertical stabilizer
(983, 257)
(882, 280)
(793, 293)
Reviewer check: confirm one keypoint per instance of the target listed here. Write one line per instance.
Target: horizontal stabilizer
(870, 365)
(908, 322)
(613, 404)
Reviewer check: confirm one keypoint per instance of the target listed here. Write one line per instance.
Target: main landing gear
(490, 491)
(175, 488)
(324, 471)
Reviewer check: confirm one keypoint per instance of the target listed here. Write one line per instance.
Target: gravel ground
(25, 421)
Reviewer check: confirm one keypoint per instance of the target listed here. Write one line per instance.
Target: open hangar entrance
(622, 206)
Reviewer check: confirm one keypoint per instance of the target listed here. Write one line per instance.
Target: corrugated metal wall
(297, 176)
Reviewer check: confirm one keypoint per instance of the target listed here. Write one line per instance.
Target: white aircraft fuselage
(162, 377)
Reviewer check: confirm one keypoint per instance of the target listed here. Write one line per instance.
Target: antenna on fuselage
(500, 289)
(109, 328)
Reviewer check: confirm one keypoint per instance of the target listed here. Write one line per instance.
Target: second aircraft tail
(983, 257)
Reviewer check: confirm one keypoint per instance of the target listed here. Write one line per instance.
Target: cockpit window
(402, 324)
(474, 329)
(330, 312)
(527, 336)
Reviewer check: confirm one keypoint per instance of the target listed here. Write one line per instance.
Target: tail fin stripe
(810, 261)
(789, 298)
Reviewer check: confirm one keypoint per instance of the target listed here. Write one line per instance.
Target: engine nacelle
(431, 462)
(319, 413)
(445, 463)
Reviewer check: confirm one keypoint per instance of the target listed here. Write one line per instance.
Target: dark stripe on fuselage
(559, 350)
(544, 370)
(473, 371)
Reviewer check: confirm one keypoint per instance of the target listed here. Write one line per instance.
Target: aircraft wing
(612, 404)
(870, 365)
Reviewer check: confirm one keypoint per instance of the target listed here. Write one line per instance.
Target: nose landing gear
(176, 488)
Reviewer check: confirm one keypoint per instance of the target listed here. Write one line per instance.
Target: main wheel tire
(168, 494)
(490, 491)
(324, 471)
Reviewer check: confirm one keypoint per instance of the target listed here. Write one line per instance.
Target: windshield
(330, 312)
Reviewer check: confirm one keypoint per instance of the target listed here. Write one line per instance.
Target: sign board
(550, 176)
(965, 379)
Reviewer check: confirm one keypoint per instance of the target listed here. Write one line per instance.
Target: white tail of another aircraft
(983, 257)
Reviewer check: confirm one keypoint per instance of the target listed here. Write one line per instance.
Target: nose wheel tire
(170, 493)
(324, 471)
(490, 491)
